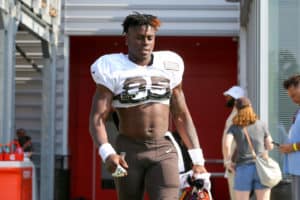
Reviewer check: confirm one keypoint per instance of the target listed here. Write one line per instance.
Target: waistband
(146, 140)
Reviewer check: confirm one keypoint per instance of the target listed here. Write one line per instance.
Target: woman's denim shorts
(246, 178)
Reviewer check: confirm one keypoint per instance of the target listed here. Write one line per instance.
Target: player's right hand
(113, 161)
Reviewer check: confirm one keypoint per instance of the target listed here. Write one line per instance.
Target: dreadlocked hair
(138, 19)
(245, 117)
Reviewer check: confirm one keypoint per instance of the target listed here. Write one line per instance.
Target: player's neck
(142, 62)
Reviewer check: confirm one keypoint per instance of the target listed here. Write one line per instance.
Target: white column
(7, 76)
(66, 97)
(243, 58)
(264, 60)
(48, 125)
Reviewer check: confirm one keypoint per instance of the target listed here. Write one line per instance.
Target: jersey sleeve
(101, 73)
(176, 66)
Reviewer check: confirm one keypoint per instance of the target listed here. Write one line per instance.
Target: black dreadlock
(138, 19)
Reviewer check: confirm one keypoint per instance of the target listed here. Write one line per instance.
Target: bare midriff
(145, 121)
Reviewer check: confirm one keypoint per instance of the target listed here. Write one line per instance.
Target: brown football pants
(153, 167)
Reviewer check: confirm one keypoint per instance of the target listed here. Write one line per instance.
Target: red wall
(210, 68)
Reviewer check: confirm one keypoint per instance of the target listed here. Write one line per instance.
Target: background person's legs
(263, 194)
(230, 180)
(252, 195)
(242, 195)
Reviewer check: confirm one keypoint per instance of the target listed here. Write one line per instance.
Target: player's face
(140, 41)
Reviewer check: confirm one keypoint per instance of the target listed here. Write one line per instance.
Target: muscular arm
(186, 128)
(183, 120)
(101, 107)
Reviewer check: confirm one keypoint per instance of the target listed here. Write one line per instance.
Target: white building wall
(190, 17)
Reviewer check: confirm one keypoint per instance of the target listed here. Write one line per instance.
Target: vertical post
(243, 58)
(7, 76)
(48, 123)
(66, 96)
(263, 59)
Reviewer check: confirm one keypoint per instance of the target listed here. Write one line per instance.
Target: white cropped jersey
(132, 84)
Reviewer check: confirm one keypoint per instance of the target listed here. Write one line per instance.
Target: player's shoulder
(109, 62)
(165, 55)
(111, 58)
(169, 59)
